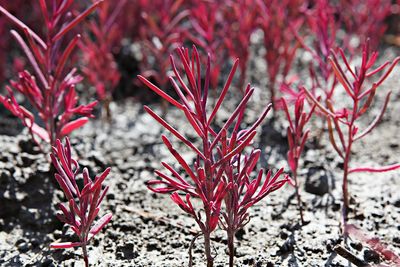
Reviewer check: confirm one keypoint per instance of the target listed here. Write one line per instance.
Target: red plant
(344, 120)
(244, 192)
(297, 136)
(83, 204)
(275, 18)
(100, 41)
(51, 90)
(207, 32)
(240, 22)
(160, 33)
(213, 175)
(32, 13)
(365, 19)
(323, 28)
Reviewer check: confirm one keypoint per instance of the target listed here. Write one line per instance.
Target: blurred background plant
(117, 46)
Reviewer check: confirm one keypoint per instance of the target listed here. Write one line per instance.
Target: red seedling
(297, 136)
(213, 177)
(160, 32)
(83, 204)
(244, 191)
(207, 32)
(322, 27)
(344, 120)
(51, 90)
(99, 44)
(274, 18)
(364, 19)
(240, 22)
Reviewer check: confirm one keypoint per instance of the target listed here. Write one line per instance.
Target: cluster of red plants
(223, 179)
(222, 170)
(220, 28)
(100, 40)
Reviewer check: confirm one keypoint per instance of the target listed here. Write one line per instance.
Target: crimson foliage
(51, 89)
(221, 169)
(101, 39)
(160, 33)
(343, 120)
(297, 136)
(83, 204)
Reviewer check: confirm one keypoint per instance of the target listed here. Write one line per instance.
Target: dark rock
(394, 145)
(5, 176)
(377, 213)
(248, 261)
(29, 216)
(371, 256)
(23, 247)
(98, 159)
(27, 145)
(283, 235)
(356, 245)
(26, 160)
(13, 207)
(57, 234)
(176, 244)
(127, 226)
(335, 206)
(287, 246)
(35, 242)
(110, 196)
(317, 182)
(240, 233)
(127, 250)
(47, 263)
(152, 246)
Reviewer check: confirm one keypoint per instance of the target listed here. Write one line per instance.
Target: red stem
(299, 202)
(85, 255)
(231, 246)
(345, 190)
(346, 161)
(207, 249)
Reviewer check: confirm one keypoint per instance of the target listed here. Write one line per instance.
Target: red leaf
(73, 125)
(41, 132)
(77, 20)
(376, 169)
(100, 179)
(100, 224)
(65, 245)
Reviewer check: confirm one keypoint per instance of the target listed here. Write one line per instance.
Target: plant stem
(299, 203)
(346, 161)
(231, 247)
(191, 248)
(272, 93)
(85, 255)
(345, 208)
(207, 249)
